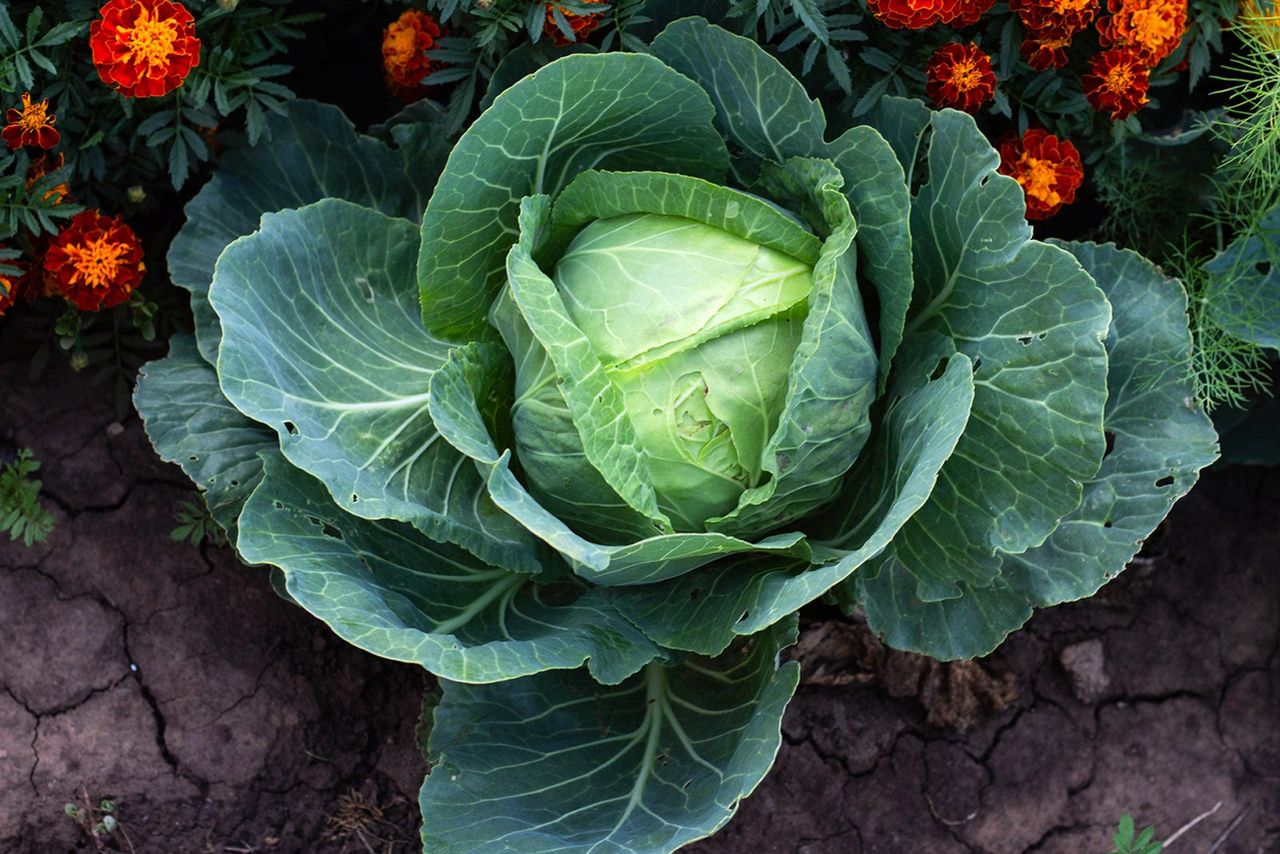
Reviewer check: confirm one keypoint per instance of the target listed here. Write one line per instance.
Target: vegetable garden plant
(578, 414)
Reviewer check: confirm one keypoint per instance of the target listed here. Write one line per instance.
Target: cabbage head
(578, 412)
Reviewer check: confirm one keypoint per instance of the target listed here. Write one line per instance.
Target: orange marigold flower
(582, 25)
(1054, 19)
(1045, 53)
(1049, 170)
(405, 43)
(31, 125)
(1153, 29)
(144, 48)
(960, 77)
(96, 261)
(1117, 82)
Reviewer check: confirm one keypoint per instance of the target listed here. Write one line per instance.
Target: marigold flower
(96, 261)
(1054, 19)
(1153, 29)
(1045, 53)
(914, 14)
(1049, 170)
(8, 286)
(582, 25)
(960, 77)
(1117, 82)
(31, 125)
(144, 48)
(43, 165)
(1262, 21)
(405, 43)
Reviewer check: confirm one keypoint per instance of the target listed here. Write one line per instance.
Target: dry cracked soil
(216, 717)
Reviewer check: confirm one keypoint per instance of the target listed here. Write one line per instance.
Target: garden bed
(217, 717)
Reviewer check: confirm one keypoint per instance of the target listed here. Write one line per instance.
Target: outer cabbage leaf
(314, 153)
(192, 424)
(706, 610)
(555, 762)
(1161, 441)
(1033, 323)
(322, 342)
(620, 111)
(386, 588)
(764, 111)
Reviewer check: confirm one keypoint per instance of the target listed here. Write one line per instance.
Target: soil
(216, 717)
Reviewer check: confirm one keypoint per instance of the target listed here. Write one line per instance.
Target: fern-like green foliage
(1248, 177)
(21, 515)
(1225, 370)
(196, 523)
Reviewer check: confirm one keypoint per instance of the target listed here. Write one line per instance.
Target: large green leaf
(1245, 295)
(1160, 441)
(1033, 323)
(192, 423)
(555, 762)
(323, 343)
(314, 153)
(455, 392)
(582, 112)
(391, 591)
(764, 111)
(706, 610)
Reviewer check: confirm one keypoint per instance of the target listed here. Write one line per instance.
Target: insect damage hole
(1167, 480)
(366, 289)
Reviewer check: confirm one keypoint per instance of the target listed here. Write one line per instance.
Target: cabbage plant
(579, 417)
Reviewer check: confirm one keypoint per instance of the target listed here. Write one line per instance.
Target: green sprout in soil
(99, 822)
(1126, 842)
(21, 515)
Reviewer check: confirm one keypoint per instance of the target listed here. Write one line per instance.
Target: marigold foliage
(566, 27)
(33, 124)
(1049, 170)
(406, 43)
(144, 48)
(96, 261)
(1117, 82)
(960, 77)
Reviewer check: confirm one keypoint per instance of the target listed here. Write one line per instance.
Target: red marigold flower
(96, 261)
(43, 165)
(8, 286)
(31, 125)
(914, 14)
(1153, 29)
(960, 76)
(1049, 170)
(1054, 19)
(144, 48)
(1117, 82)
(405, 43)
(970, 12)
(582, 25)
(1043, 53)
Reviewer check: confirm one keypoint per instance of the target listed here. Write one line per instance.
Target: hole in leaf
(291, 428)
(977, 363)
(1164, 481)
(1040, 336)
(331, 531)
(1106, 524)
(365, 288)
(278, 505)
(235, 483)
(193, 458)
(939, 370)
(744, 616)
(354, 498)
(1111, 443)
(1024, 340)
